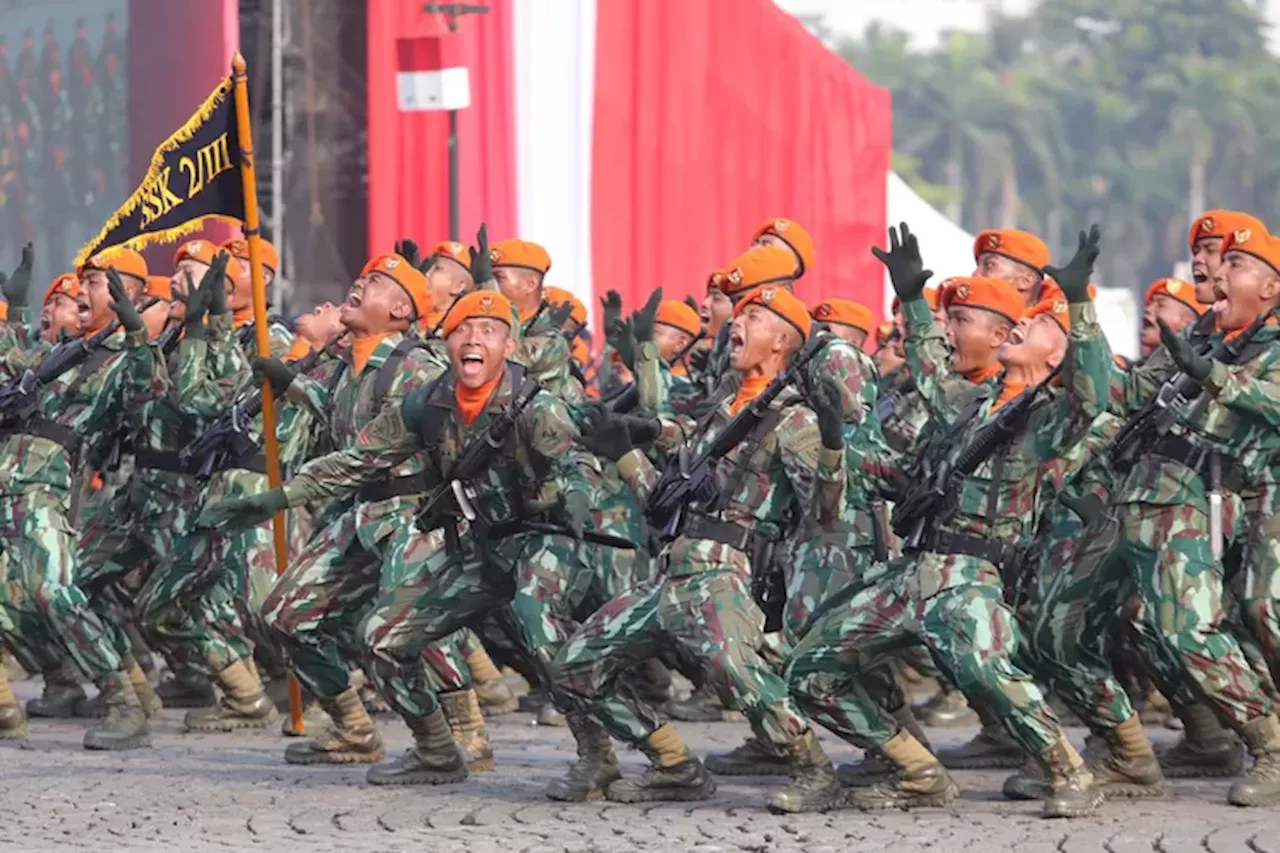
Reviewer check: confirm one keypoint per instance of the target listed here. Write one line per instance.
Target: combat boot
(125, 726)
(547, 715)
(495, 696)
(1072, 792)
(61, 692)
(462, 709)
(1029, 783)
(674, 775)
(314, 721)
(814, 786)
(990, 748)
(919, 780)
(147, 698)
(594, 771)
(350, 738)
(244, 704)
(434, 758)
(1129, 767)
(13, 723)
(1261, 785)
(702, 706)
(946, 709)
(1206, 750)
(873, 767)
(753, 757)
(186, 690)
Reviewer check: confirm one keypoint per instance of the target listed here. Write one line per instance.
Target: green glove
(1184, 354)
(608, 438)
(17, 287)
(197, 307)
(642, 321)
(242, 513)
(130, 319)
(276, 371)
(481, 266)
(408, 250)
(1074, 277)
(827, 406)
(214, 281)
(577, 513)
(906, 269)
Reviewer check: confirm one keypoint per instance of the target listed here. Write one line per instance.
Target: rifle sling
(698, 525)
(397, 487)
(41, 427)
(753, 441)
(1176, 448)
(159, 460)
(997, 554)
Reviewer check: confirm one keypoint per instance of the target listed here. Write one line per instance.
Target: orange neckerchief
(525, 315)
(91, 332)
(678, 369)
(1008, 391)
(241, 317)
(1235, 333)
(471, 401)
(300, 349)
(749, 389)
(983, 374)
(362, 349)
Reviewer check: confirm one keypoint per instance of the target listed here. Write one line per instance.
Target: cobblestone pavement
(196, 793)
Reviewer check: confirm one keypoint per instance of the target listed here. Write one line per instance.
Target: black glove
(243, 513)
(626, 344)
(612, 318)
(643, 430)
(698, 358)
(1184, 354)
(214, 281)
(1074, 277)
(280, 374)
(642, 321)
(828, 407)
(408, 250)
(197, 306)
(691, 302)
(906, 269)
(609, 438)
(481, 266)
(130, 319)
(555, 316)
(17, 287)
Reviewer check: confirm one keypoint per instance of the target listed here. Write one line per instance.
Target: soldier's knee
(57, 600)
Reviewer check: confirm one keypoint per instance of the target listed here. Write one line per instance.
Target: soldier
(849, 321)
(1016, 256)
(1185, 490)
(946, 590)
(448, 277)
(888, 356)
(81, 407)
(1169, 301)
(240, 299)
(60, 315)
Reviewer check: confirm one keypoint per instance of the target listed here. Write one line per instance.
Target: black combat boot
(434, 758)
(596, 768)
(674, 774)
(814, 786)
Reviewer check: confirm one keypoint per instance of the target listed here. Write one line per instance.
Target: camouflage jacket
(244, 332)
(91, 401)
(788, 478)
(903, 412)
(545, 353)
(540, 465)
(195, 395)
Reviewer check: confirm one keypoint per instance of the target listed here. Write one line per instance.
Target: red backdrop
(408, 158)
(713, 116)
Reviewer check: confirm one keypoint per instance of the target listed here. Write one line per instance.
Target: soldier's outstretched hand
(642, 321)
(906, 267)
(121, 304)
(17, 286)
(608, 437)
(481, 264)
(1074, 277)
(243, 513)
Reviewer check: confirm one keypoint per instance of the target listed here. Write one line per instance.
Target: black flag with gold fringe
(194, 175)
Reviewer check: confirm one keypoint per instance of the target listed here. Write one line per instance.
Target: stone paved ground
(196, 793)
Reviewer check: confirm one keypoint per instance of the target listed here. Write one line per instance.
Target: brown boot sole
(235, 724)
(336, 758)
(939, 799)
(1095, 801)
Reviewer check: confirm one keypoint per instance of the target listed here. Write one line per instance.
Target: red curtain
(408, 157)
(713, 116)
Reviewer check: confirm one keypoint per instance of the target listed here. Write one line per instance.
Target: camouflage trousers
(1256, 585)
(1162, 553)
(701, 614)
(43, 578)
(22, 627)
(546, 581)
(317, 608)
(955, 605)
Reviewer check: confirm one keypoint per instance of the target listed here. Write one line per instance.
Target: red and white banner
(640, 142)
(431, 74)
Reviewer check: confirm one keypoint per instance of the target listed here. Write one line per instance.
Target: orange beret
(457, 252)
(678, 315)
(67, 284)
(715, 281)
(1220, 223)
(159, 286)
(1021, 246)
(989, 294)
(205, 251)
(1056, 309)
(520, 253)
(790, 232)
(126, 261)
(757, 266)
(845, 312)
(884, 332)
(780, 301)
(4, 312)
(559, 296)
(478, 303)
(407, 276)
(1258, 243)
(1175, 288)
(239, 249)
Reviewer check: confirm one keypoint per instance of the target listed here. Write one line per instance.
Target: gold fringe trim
(177, 138)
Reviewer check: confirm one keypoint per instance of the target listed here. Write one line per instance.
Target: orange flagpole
(262, 336)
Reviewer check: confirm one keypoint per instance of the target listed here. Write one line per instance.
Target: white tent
(948, 250)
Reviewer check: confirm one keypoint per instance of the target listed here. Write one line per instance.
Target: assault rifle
(228, 438)
(1156, 418)
(624, 399)
(930, 500)
(688, 481)
(886, 403)
(20, 395)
